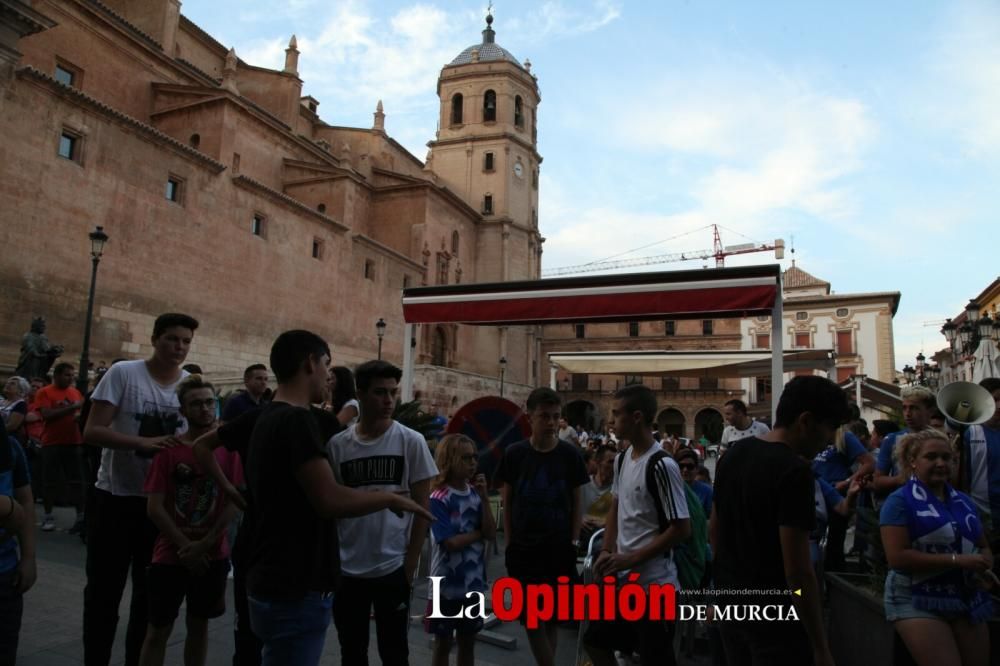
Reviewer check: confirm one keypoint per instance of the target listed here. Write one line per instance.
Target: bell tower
(486, 152)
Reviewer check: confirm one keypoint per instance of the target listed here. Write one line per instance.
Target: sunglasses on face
(687, 465)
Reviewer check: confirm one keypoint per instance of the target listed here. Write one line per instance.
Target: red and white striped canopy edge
(722, 292)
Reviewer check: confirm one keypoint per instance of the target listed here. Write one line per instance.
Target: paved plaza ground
(51, 634)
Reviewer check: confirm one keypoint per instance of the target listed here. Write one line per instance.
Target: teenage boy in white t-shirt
(379, 552)
(633, 540)
(135, 413)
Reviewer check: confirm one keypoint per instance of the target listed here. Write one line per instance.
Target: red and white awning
(721, 292)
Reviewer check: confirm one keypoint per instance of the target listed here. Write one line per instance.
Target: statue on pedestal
(37, 355)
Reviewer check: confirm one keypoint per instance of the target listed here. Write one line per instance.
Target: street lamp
(949, 331)
(97, 240)
(380, 332)
(503, 371)
(972, 311)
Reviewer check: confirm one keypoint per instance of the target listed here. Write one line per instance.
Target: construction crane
(718, 252)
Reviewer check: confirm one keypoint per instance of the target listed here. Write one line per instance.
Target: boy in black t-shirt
(541, 479)
(235, 436)
(293, 499)
(763, 513)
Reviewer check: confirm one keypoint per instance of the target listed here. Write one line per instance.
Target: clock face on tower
(518, 169)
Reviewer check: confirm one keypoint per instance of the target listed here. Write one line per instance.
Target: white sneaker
(48, 524)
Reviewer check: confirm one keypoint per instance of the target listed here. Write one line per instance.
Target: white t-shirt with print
(637, 521)
(375, 545)
(144, 408)
(730, 434)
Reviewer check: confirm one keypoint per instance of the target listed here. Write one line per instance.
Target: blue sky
(869, 132)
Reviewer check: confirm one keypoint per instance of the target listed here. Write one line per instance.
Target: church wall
(207, 121)
(191, 48)
(330, 193)
(393, 213)
(114, 70)
(277, 92)
(199, 257)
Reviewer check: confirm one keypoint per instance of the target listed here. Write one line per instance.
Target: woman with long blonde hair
(935, 592)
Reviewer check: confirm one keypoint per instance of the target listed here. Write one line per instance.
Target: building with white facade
(856, 328)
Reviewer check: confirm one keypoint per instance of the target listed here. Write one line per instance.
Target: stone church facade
(227, 196)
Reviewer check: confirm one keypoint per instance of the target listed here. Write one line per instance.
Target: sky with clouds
(868, 132)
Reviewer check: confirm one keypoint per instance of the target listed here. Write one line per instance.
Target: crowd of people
(320, 503)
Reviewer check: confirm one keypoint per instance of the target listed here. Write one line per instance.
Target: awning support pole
(409, 346)
(777, 353)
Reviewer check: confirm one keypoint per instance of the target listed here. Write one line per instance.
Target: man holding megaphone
(982, 446)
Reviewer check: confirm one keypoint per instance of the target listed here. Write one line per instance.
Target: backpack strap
(654, 488)
(621, 462)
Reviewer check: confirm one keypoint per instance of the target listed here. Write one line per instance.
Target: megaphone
(966, 403)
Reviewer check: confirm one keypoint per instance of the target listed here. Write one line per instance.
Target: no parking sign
(493, 423)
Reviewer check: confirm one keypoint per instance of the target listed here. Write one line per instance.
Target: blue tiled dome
(488, 49)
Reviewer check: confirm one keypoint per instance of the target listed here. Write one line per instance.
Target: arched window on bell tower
(489, 106)
(456, 109)
(518, 112)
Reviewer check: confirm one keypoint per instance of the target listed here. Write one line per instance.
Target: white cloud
(775, 143)
(350, 59)
(556, 19)
(964, 90)
(753, 148)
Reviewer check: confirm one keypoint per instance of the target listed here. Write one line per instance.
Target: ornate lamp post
(503, 371)
(97, 240)
(380, 332)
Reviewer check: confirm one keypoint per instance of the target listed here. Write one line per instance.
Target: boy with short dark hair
(379, 552)
(641, 530)
(764, 511)
(190, 557)
(541, 479)
(294, 499)
(134, 414)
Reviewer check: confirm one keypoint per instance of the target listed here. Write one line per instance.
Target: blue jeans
(293, 632)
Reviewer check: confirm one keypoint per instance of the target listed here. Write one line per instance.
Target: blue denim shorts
(898, 599)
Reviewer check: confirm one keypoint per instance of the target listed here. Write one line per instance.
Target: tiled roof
(87, 100)
(796, 277)
(486, 52)
(124, 22)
